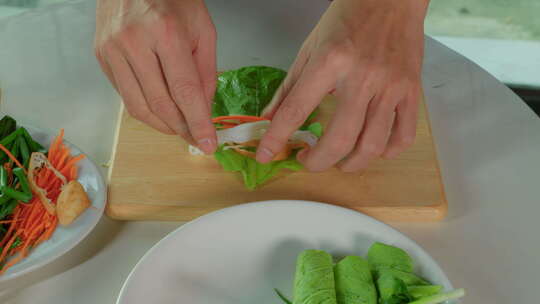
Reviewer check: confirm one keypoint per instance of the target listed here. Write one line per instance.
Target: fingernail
(264, 155)
(207, 145)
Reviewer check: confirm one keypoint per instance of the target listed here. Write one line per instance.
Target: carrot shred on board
(30, 224)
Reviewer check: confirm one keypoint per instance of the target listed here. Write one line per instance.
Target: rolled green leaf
(314, 279)
(354, 284)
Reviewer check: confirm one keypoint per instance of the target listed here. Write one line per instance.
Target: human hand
(368, 54)
(160, 56)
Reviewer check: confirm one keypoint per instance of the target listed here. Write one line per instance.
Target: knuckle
(291, 114)
(160, 104)
(200, 129)
(373, 149)
(185, 92)
(340, 146)
(407, 140)
(138, 113)
(272, 142)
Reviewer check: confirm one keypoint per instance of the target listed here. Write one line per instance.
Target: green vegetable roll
(354, 284)
(314, 279)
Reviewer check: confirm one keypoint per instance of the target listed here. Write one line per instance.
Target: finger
(129, 89)
(187, 92)
(292, 76)
(148, 71)
(105, 68)
(372, 141)
(311, 87)
(404, 128)
(342, 133)
(205, 60)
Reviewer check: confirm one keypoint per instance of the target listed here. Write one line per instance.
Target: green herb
(442, 297)
(418, 292)
(392, 290)
(282, 297)
(246, 91)
(25, 195)
(16, 243)
(7, 126)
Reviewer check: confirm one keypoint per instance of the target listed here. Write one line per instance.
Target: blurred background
(502, 36)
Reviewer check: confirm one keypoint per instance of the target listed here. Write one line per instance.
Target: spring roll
(354, 284)
(314, 279)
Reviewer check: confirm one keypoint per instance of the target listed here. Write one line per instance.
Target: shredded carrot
(241, 118)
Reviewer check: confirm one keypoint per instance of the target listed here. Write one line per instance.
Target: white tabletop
(487, 139)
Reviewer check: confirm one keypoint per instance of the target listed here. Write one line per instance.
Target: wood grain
(153, 177)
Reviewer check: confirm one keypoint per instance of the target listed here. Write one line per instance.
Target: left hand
(369, 55)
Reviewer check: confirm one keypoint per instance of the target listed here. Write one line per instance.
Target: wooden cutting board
(153, 177)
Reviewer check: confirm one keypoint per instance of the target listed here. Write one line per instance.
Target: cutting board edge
(144, 212)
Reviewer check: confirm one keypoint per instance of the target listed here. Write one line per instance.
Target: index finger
(187, 90)
(306, 94)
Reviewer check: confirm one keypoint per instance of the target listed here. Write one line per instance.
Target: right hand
(161, 58)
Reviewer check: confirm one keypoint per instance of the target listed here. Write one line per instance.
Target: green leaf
(441, 297)
(392, 290)
(7, 126)
(316, 129)
(282, 297)
(253, 173)
(409, 278)
(246, 91)
(418, 292)
(385, 256)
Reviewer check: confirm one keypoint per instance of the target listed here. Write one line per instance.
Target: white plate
(238, 255)
(65, 238)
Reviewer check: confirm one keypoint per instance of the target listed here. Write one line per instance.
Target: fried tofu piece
(72, 201)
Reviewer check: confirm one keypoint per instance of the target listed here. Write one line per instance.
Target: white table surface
(487, 138)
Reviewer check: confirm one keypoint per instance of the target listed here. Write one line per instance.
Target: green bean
(3, 177)
(18, 195)
(23, 148)
(32, 144)
(11, 137)
(23, 180)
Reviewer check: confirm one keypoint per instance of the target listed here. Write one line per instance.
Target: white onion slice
(253, 131)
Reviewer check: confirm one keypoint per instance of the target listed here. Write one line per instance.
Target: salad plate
(241, 254)
(65, 238)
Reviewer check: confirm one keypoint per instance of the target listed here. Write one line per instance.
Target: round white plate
(240, 254)
(65, 238)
